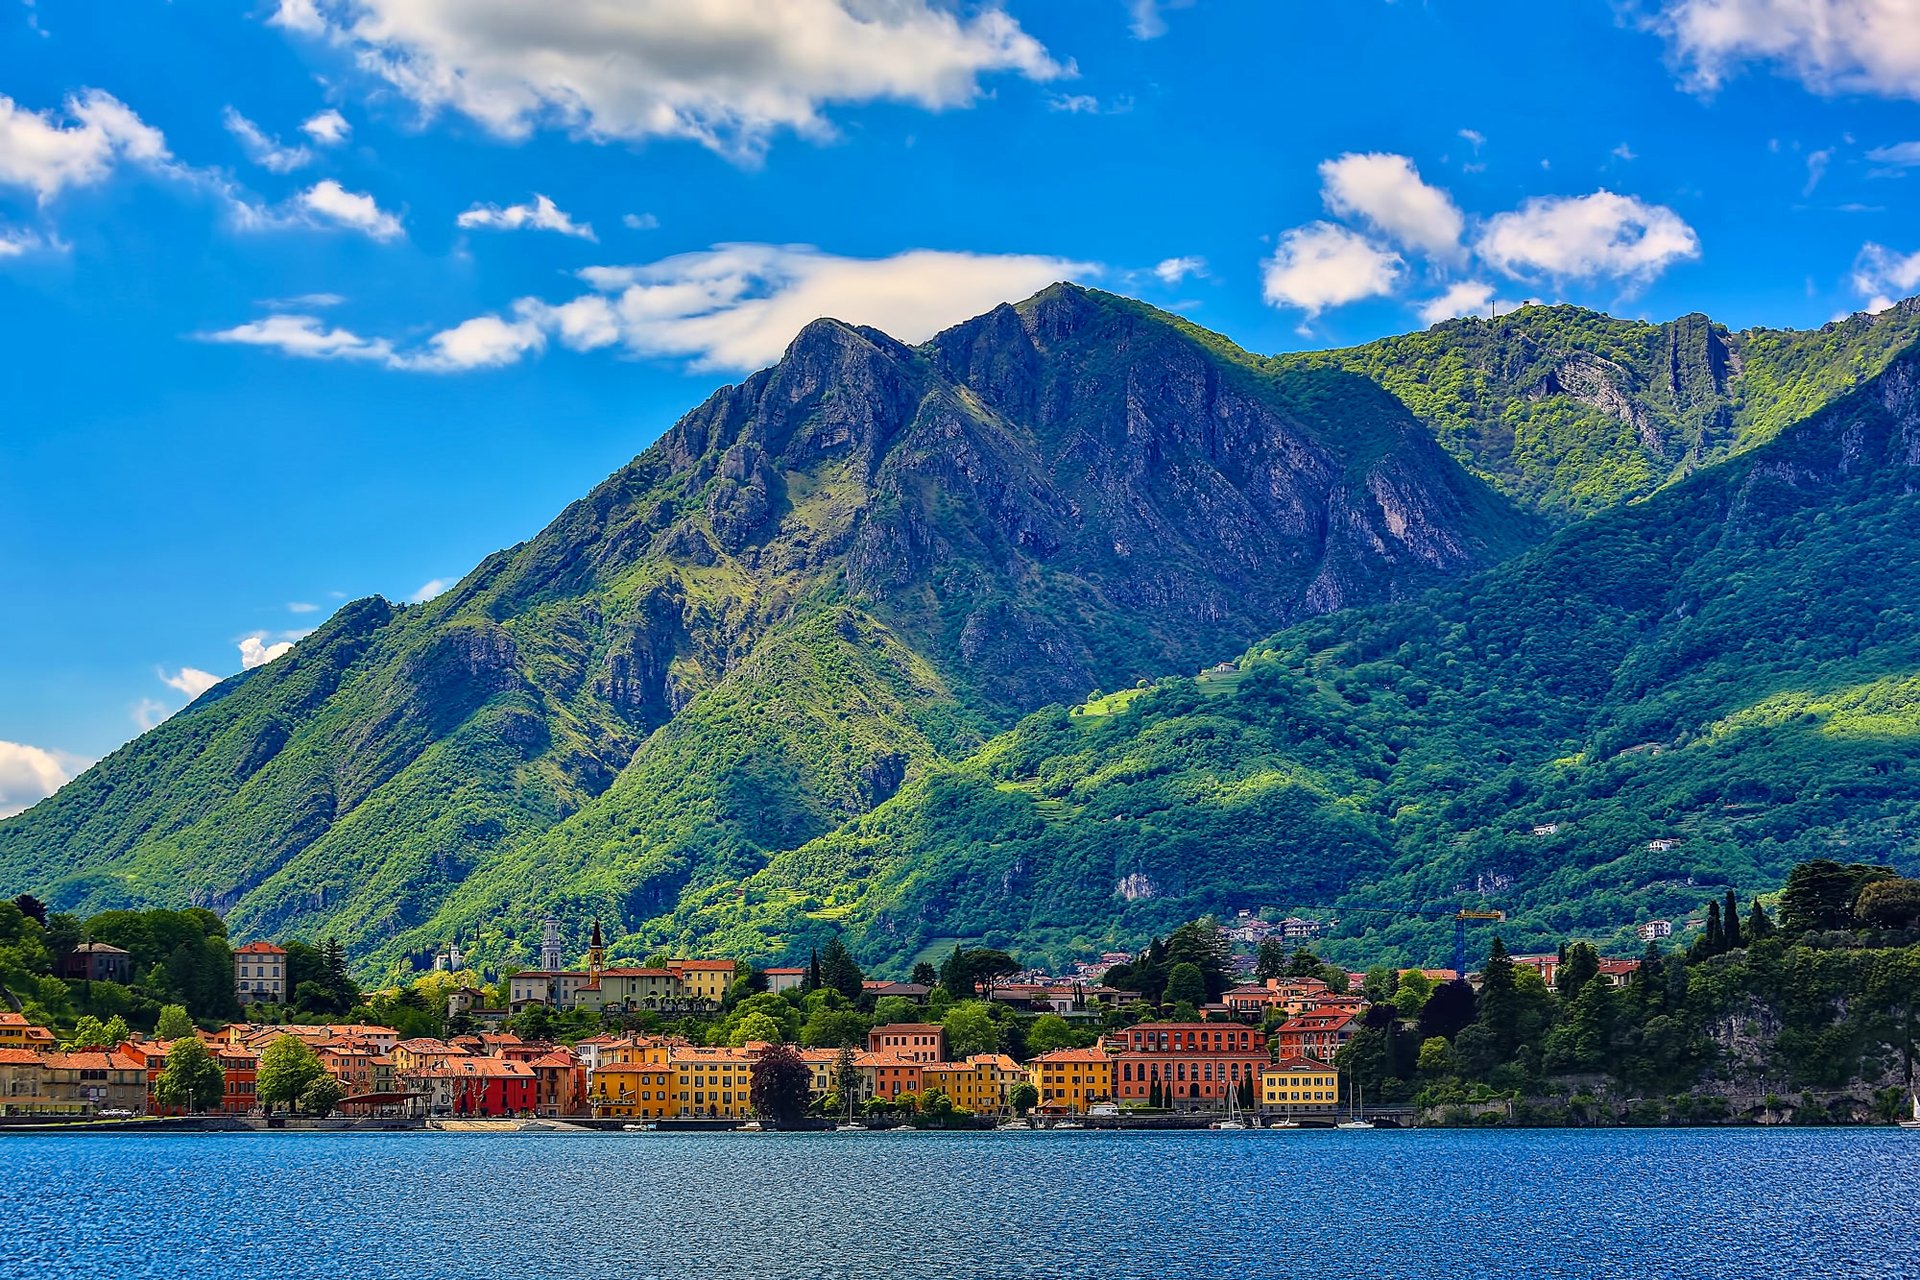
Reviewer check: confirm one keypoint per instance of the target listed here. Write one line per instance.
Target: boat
(1284, 1124)
(903, 1128)
(751, 1126)
(636, 1128)
(1913, 1123)
(1233, 1120)
(1013, 1125)
(1354, 1120)
(849, 1127)
(1069, 1124)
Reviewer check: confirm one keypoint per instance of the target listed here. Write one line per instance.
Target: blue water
(1688, 1204)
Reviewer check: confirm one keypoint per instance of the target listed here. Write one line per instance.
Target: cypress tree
(1730, 923)
(1759, 923)
(1712, 942)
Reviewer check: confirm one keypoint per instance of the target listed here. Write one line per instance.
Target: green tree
(830, 1028)
(839, 971)
(1050, 1031)
(1581, 966)
(287, 1066)
(192, 1079)
(1270, 958)
(1412, 992)
(1186, 984)
(173, 1023)
(1820, 894)
(91, 1033)
(1023, 1097)
(970, 1030)
(1500, 1000)
(321, 1095)
(1889, 904)
(1436, 1056)
(782, 1085)
(846, 1076)
(924, 974)
(756, 1026)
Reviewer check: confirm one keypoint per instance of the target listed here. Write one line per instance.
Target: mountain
(1689, 692)
(1568, 411)
(816, 588)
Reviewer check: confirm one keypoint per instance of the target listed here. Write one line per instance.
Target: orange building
(1193, 1063)
(1317, 1035)
(241, 1067)
(918, 1041)
(1073, 1079)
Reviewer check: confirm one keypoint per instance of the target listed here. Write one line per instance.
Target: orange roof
(905, 1028)
(1074, 1055)
(92, 1060)
(785, 969)
(1299, 1064)
(711, 965)
(21, 1058)
(260, 949)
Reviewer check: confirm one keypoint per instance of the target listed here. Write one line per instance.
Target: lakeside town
(1265, 1047)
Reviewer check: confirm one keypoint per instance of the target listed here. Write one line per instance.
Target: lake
(1689, 1204)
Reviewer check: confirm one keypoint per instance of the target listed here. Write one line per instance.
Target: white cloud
(1587, 237)
(299, 335)
(1173, 270)
(1881, 275)
(262, 149)
(1817, 162)
(45, 156)
(1463, 298)
(328, 128)
(30, 774)
(1623, 152)
(429, 589)
(1901, 155)
(1386, 192)
(732, 307)
(15, 241)
(190, 680)
(1322, 265)
(1074, 103)
(1147, 19)
(1830, 46)
(541, 215)
(256, 652)
(304, 300)
(640, 221)
(1474, 138)
(301, 606)
(149, 712)
(298, 15)
(726, 73)
(330, 202)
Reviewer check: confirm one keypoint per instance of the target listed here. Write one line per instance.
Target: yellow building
(634, 1080)
(704, 979)
(711, 1081)
(17, 1033)
(981, 1084)
(1072, 1079)
(1299, 1082)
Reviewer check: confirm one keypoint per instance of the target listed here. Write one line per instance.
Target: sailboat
(848, 1126)
(1286, 1121)
(1353, 1120)
(1913, 1123)
(1233, 1120)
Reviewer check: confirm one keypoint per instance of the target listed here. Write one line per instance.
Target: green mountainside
(1568, 411)
(817, 587)
(1732, 664)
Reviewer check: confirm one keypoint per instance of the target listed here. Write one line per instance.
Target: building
(1619, 973)
(1291, 996)
(560, 1084)
(888, 1074)
(1317, 1035)
(916, 1041)
(473, 1086)
(1665, 844)
(705, 980)
(1191, 1063)
(1547, 966)
(97, 962)
(95, 1080)
(1547, 829)
(632, 1079)
(785, 978)
(17, 1033)
(712, 1081)
(1299, 1084)
(1072, 1080)
(260, 973)
(1654, 930)
(240, 1069)
(981, 1084)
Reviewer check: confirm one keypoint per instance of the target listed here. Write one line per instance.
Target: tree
(889, 1009)
(1500, 999)
(846, 1076)
(831, 1028)
(813, 970)
(1581, 966)
(1436, 1056)
(1186, 984)
(322, 1095)
(1890, 904)
(1200, 942)
(1759, 923)
(173, 1023)
(535, 1022)
(755, 1026)
(1050, 1031)
(91, 1033)
(32, 908)
(970, 1030)
(838, 970)
(1023, 1097)
(192, 1079)
(287, 1067)
(966, 973)
(1412, 990)
(1820, 895)
(782, 1085)
(1730, 924)
(1451, 1008)
(1270, 958)
(924, 975)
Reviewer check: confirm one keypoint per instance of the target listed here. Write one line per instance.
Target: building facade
(260, 973)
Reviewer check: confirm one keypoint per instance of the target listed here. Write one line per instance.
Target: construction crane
(1459, 915)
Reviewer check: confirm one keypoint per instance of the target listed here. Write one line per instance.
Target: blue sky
(306, 300)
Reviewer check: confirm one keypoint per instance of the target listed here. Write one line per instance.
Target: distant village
(1265, 1048)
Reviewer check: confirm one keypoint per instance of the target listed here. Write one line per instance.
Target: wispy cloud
(263, 149)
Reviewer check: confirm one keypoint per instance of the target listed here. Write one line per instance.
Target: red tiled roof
(260, 949)
(21, 1058)
(727, 965)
